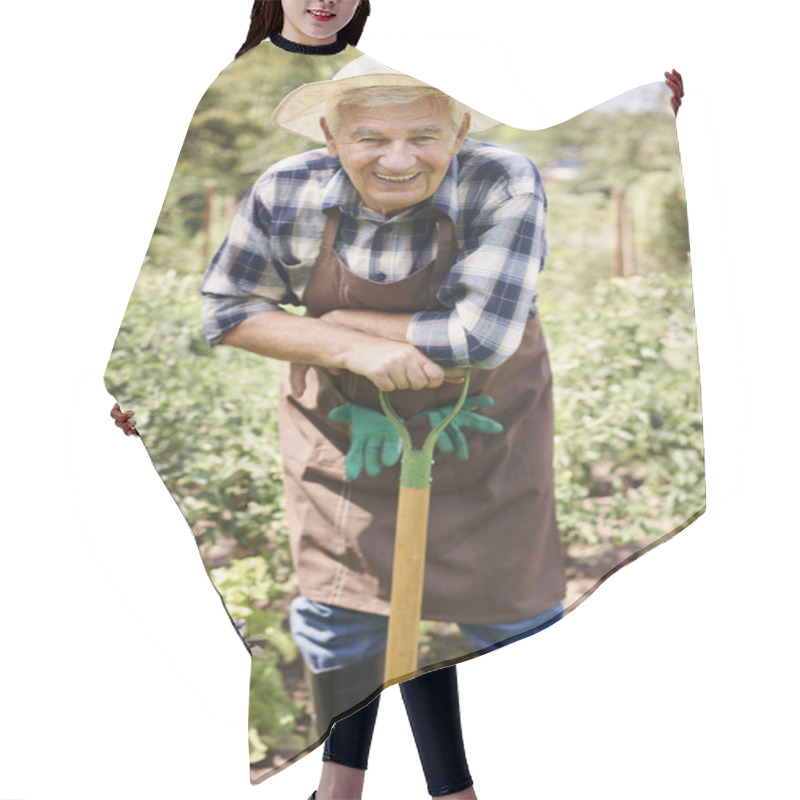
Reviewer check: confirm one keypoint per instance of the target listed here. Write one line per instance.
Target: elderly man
(415, 252)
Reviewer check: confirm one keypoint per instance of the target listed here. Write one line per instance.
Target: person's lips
(396, 180)
(322, 16)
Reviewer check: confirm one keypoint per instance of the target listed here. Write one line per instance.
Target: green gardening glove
(451, 438)
(375, 442)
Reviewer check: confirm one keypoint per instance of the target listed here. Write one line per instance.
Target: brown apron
(493, 549)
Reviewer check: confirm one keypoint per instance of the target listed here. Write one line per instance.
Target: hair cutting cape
(614, 301)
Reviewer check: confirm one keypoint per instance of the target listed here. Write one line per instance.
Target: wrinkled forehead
(428, 108)
(396, 110)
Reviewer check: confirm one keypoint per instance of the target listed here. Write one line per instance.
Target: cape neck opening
(308, 49)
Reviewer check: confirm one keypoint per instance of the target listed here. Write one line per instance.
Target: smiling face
(396, 156)
(315, 22)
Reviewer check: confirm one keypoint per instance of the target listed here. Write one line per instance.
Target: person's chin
(397, 203)
(318, 34)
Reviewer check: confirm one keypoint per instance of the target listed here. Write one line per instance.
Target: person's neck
(279, 40)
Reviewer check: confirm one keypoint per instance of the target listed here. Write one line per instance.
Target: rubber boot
(339, 692)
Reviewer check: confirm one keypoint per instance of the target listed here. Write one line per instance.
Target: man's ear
(462, 134)
(330, 143)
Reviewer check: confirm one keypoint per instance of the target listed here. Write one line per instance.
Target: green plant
(629, 456)
(208, 418)
(249, 592)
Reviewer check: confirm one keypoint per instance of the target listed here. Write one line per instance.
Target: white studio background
(121, 675)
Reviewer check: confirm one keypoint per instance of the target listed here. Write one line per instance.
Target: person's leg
(351, 737)
(343, 651)
(346, 754)
(331, 637)
(433, 710)
(496, 635)
(333, 640)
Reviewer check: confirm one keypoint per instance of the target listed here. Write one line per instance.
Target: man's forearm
(389, 363)
(301, 340)
(385, 324)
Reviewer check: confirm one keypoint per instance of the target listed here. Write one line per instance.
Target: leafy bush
(208, 418)
(248, 591)
(629, 458)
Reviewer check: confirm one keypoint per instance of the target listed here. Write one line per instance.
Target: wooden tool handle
(408, 575)
(411, 535)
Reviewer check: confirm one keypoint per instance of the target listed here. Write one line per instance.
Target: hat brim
(300, 111)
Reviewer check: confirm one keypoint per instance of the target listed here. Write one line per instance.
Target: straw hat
(300, 110)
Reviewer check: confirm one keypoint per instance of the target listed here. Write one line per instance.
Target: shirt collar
(340, 192)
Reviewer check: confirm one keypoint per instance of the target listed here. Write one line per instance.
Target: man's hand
(394, 365)
(392, 326)
(297, 376)
(390, 363)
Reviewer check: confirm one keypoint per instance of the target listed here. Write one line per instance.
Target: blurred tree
(230, 142)
(625, 152)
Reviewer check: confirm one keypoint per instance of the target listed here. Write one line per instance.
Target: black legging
(432, 706)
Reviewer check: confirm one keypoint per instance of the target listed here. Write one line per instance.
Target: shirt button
(380, 276)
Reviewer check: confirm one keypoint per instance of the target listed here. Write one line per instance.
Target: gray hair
(383, 97)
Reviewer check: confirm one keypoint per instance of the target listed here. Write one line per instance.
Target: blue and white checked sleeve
(238, 282)
(491, 289)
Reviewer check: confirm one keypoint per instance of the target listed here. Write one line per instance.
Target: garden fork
(411, 533)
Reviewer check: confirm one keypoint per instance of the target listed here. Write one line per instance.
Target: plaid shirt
(494, 197)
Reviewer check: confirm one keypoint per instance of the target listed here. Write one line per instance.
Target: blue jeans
(330, 637)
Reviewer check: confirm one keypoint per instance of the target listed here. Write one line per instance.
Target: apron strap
(332, 218)
(446, 247)
(446, 250)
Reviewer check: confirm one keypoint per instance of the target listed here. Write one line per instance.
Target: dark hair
(266, 19)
